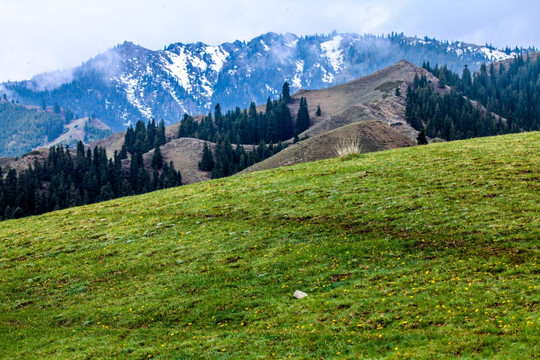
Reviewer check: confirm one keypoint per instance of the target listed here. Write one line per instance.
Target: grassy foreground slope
(424, 252)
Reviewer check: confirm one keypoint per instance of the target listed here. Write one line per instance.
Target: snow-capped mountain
(129, 82)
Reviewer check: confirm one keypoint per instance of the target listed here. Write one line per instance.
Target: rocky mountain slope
(129, 82)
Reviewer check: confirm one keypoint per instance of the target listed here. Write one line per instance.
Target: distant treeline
(65, 180)
(511, 91)
(266, 130)
(228, 160)
(68, 179)
(24, 129)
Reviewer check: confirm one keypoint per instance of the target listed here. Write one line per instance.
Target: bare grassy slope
(76, 131)
(185, 153)
(112, 143)
(25, 161)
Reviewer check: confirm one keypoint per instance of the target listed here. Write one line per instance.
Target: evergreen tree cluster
(137, 142)
(249, 126)
(67, 179)
(450, 116)
(143, 138)
(228, 160)
(262, 129)
(510, 90)
(61, 181)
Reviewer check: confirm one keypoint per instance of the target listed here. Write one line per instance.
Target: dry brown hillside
(185, 153)
(372, 97)
(373, 135)
(24, 162)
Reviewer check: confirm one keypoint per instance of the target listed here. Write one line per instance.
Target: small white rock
(299, 294)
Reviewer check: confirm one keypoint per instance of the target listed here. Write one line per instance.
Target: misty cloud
(50, 81)
(59, 34)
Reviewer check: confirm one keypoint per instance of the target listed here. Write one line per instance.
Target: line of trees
(67, 179)
(264, 130)
(249, 126)
(451, 116)
(228, 160)
(511, 90)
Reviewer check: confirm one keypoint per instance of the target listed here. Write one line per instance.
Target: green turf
(426, 252)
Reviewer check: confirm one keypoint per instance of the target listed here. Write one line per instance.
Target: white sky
(47, 35)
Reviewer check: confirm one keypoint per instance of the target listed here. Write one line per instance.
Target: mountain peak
(130, 82)
(129, 48)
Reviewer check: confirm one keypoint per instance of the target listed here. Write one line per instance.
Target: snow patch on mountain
(218, 55)
(131, 86)
(292, 44)
(333, 52)
(459, 52)
(495, 55)
(191, 78)
(265, 47)
(168, 87)
(327, 77)
(270, 90)
(297, 80)
(179, 69)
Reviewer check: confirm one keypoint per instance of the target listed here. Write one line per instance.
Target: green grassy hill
(424, 252)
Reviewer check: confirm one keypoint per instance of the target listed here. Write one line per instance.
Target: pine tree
(17, 213)
(421, 138)
(143, 181)
(157, 159)
(218, 116)
(8, 213)
(106, 193)
(302, 119)
(74, 196)
(284, 124)
(286, 92)
(318, 112)
(207, 161)
(160, 135)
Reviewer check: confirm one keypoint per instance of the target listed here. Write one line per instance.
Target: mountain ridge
(130, 82)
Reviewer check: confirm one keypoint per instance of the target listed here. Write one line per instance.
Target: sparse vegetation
(388, 86)
(348, 146)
